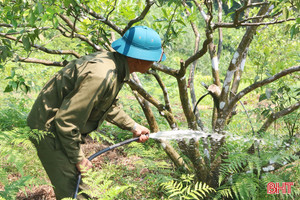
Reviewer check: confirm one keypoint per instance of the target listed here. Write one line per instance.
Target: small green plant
(100, 186)
(245, 176)
(11, 189)
(16, 160)
(187, 188)
(280, 99)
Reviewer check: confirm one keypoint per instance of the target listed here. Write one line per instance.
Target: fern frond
(232, 165)
(254, 163)
(186, 189)
(226, 193)
(100, 187)
(100, 137)
(245, 186)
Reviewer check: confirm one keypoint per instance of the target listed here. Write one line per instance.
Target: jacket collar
(122, 66)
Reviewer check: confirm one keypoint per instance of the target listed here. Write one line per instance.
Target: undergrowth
(19, 165)
(186, 188)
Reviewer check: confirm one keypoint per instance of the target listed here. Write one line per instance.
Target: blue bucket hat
(140, 42)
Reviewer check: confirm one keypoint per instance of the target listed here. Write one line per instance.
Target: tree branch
(165, 69)
(204, 15)
(191, 150)
(145, 106)
(26, 31)
(6, 25)
(220, 44)
(232, 25)
(238, 74)
(184, 98)
(101, 18)
(175, 157)
(145, 94)
(139, 18)
(197, 55)
(171, 152)
(252, 87)
(43, 62)
(163, 88)
(81, 37)
(275, 116)
(192, 70)
(235, 63)
(68, 21)
(114, 7)
(247, 4)
(259, 17)
(161, 108)
(197, 38)
(50, 51)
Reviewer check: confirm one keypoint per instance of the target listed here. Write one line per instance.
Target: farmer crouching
(78, 98)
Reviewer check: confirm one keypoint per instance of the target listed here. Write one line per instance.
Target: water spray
(166, 135)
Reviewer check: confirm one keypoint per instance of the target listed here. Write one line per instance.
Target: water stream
(189, 134)
(184, 134)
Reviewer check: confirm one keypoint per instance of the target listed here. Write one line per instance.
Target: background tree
(29, 27)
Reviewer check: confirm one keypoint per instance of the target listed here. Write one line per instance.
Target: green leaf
(36, 33)
(175, 194)
(26, 43)
(170, 2)
(262, 97)
(67, 3)
(51, 11)
(32, 18)
(14, 84)
(267, 51)
(39, 8)
(8, 88)
(17, 40)
(25, 88)
(229, 14)
(198, 193)
(14, 23)
(265, 113)
(280, 90)
(294, 30)
(7, 42)
(181, 22)
(55, 22)
(275, 11)
(230, 3)
(31, 37)
(165, 13)
(13, 73)
(285, 12)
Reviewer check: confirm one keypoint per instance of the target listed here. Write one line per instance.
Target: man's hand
(140, 131)
(84, 165)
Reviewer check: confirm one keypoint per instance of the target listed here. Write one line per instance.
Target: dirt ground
(45, 192)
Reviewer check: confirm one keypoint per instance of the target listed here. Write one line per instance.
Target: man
(81, 96)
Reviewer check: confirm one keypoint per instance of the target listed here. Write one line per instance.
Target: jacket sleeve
(118, 117)
(74, 113)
